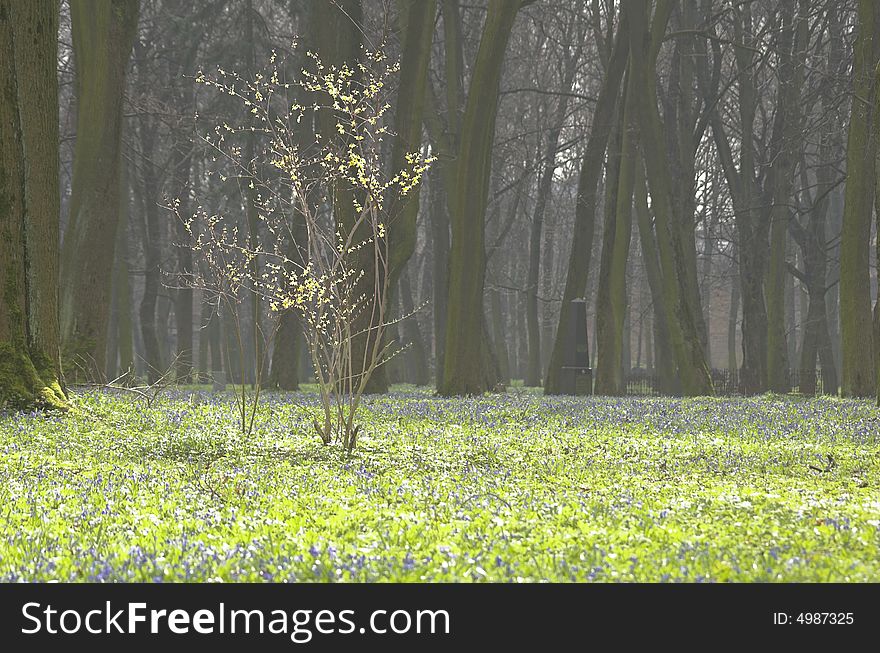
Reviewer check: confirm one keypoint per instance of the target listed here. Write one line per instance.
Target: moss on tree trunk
(29, 207)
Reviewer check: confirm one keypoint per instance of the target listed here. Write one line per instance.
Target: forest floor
(514, 487)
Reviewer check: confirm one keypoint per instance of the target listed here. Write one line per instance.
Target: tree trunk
(152, 253)
(732, 322)
(785, 138)
(29, 206)
(683, 331)
(664, 364)
(640, 335)
(233, 353)
(792, 325)
(464, 357)
(612, 296)
(338, 28)
(680, 127)
(285, 357)
(182, 167)
(626, 351)
(417, 29)
(706, 288)
(103, 34)
(416, 355)
(121, 356)
(445, 139)
(440, 270)
(203, 336)
(216, 339)
(859, 374)
(499, 334)
(289, 339)
(548, 290)
(832, 231)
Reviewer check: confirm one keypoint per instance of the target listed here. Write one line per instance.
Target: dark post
(577, 377)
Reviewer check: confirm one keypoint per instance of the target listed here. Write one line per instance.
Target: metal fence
(642, 382)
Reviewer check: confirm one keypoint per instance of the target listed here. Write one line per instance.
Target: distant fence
(642, 382)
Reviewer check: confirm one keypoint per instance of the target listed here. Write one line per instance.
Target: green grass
(515, 487)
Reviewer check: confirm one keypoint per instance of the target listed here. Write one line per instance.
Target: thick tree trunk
(29, 206)
(463, 372)
(103, 34)
(416, 20)
(444, 139)
(859, 373)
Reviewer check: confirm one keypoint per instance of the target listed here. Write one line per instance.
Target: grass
(515, 487)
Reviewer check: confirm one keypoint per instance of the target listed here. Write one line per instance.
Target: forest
(566, 288)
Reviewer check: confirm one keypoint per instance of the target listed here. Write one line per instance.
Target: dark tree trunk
(463, 371)
(858, 365)
(30, 369)
(102, 39)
